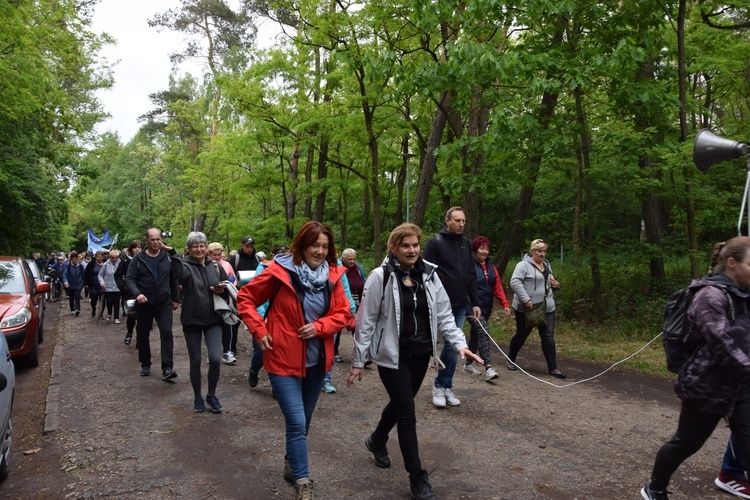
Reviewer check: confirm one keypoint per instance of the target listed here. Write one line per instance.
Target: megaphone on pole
(709, 148)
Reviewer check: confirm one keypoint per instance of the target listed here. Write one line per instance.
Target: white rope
(571, 383)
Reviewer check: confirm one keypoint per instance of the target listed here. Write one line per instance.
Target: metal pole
(744, 202)
(408, 190)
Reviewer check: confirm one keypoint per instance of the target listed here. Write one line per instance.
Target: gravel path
(127, 436)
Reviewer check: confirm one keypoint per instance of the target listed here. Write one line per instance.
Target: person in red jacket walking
(307, 308)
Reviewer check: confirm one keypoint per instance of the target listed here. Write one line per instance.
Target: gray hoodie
(528, 283)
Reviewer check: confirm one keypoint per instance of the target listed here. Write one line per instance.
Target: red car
(20, 314)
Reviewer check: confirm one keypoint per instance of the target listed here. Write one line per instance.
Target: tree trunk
(429, 164)
(515, 232)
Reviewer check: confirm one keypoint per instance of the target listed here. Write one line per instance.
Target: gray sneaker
(468, 367)
(451, 398)
(490, 374)
(438, 397)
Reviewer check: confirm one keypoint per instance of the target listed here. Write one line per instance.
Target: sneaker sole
(490, 379)
(727, 487)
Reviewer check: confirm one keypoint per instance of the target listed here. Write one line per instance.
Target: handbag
(537, 315)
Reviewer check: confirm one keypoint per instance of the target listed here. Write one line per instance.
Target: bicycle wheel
(55, 291)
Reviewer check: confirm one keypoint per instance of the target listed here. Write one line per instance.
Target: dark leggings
(479, 339)
(693, 429)
(112, 299)
(402, 386)
(547, 334)
(193, 336)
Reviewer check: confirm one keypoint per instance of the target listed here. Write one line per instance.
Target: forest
(567, 120)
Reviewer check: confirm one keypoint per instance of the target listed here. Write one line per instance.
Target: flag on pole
(97, 243)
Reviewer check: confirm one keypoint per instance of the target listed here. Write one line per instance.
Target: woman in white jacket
(533, 282)
(404, 307)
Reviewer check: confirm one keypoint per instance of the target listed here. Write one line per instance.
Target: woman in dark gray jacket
(200, 278)
(715, 382)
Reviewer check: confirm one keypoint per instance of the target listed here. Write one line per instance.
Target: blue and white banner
(103, 242)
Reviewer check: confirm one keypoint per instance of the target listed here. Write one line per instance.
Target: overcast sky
(143, 55)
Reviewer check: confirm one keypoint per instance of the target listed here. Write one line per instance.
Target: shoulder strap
(386, 277)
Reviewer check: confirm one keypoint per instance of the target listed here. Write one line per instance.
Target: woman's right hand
(354, 374)
(528, 305)
(265, 343)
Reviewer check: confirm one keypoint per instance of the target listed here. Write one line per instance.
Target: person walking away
(715, 382)
(404, 309)
(109, 285)
(122, 270)
(73, 282)
(307, 308)
(450, 250)
(200, 278)
(532, 282)
(489, 287)
(91, 280)
(151, 281)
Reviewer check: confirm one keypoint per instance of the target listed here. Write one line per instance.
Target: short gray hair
(195, 237)
(348, 251)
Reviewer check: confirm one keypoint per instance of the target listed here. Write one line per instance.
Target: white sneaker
(229, 358)
(471, 369)
(438, 397)
(117, 322)
(490, 374)
(451, 398)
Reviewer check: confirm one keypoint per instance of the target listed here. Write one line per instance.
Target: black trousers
(693, 430)
(402, 386)
(145, 316)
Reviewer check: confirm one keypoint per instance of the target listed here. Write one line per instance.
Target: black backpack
(677, 326)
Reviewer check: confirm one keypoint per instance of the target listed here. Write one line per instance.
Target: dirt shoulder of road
(515, 438)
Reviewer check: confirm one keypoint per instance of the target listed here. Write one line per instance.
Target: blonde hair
(537, 244)
(215, 246)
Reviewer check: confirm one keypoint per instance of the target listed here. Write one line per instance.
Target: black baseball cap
(248, 239)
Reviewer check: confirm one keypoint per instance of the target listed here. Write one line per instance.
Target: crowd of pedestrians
(292, 308)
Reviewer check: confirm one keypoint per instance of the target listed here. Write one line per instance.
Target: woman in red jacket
(307, 308)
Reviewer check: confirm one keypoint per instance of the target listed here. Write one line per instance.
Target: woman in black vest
(489, 286)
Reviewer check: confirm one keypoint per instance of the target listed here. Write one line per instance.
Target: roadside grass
(603, 344)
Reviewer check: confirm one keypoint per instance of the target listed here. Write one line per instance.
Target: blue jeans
(448, 356)
(256, 360)
(733, 463)
(297, 398)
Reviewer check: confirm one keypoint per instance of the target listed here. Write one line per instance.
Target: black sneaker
(648, 494)
(421, 488)
(169, 374)
(145, 371)
(198, 405)
(252, 378)
(213, 402)
(380, 453)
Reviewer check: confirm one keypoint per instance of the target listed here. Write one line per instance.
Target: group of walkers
(296, 305)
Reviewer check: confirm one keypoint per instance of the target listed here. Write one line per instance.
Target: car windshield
(11, 278)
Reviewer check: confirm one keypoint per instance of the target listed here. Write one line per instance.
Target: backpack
(677, 326)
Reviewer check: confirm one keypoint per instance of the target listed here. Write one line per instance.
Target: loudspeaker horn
(709, 148)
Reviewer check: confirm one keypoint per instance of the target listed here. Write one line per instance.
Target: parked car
(42, 297)
(20, 309)
(7, 390)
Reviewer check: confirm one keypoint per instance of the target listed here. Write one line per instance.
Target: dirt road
(126, 436)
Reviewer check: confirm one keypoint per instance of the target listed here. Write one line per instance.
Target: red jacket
(285, 317)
